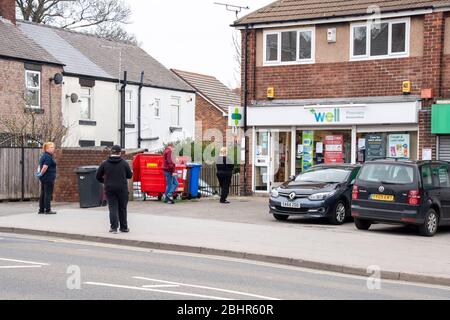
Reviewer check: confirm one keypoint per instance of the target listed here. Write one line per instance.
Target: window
(33, 89)
(128, 106)
(442, 176)
(86, 104)
(380, 40)
(175, 111)
(289, 47)
(387, 173)
(157, 109)
(427, 177)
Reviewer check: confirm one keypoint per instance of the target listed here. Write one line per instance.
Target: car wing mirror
(292, 178)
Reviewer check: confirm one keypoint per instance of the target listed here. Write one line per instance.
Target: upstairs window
(157, 109)
(386, 39)
(175, 112)
(33, 89)
(86, 104)
(289, 47)
(128, 106)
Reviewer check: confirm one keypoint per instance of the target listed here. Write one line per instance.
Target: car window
(387, 173)
(427, 177)
(354, 174)
(442, 175)
(324, 175)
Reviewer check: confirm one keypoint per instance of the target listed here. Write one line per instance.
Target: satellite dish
(58, 78)
(74, 98)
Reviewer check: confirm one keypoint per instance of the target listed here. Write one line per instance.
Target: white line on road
(208, 288)
(19, 267)
(162, 286)
(155, 290)
(26, 262)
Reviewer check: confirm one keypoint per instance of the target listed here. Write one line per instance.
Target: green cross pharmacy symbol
(236, 116)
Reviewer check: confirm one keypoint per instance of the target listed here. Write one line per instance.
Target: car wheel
(339, 213)
(280, 217)
(362, 224)
(430, 226)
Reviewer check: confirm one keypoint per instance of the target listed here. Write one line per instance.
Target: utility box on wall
(331, 35)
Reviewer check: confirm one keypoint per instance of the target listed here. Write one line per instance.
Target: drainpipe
(245, 85)
(122, 110)
(141, 85)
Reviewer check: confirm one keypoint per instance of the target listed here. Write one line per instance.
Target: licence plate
(382, 197)
(291, 205)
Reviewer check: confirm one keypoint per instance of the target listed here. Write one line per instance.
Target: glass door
(280, 164)
(262, 161)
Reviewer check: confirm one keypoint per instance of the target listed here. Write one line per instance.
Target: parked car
(406, 192)
(321, 191)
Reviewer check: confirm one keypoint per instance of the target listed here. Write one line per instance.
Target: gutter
(140, 110)
(335, 19)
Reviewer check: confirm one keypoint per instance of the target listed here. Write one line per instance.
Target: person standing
(114, 173)
(47, 176)
(224, 173)
(170, 174)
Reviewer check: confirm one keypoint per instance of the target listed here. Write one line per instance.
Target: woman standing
(47, 177)
(224, 173)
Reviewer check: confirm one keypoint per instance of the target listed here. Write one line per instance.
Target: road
(45, 268)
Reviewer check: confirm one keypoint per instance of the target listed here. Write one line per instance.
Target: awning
(440, 119)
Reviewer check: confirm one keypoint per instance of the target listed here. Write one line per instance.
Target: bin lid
(86, 169)
(194, 165)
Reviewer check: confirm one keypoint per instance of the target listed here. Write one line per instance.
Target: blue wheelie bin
(194, 177)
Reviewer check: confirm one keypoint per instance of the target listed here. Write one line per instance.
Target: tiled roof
(14, 44)
(296, 10)
(211, 88)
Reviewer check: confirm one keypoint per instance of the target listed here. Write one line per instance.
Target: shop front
(290, 139)
(440, 125)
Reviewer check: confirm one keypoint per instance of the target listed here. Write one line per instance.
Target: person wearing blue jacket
(47, 176)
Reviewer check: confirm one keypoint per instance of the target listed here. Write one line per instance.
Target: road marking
(208, 288)
(19, 267)
(26, 262)
(155, 290)
(162, 286)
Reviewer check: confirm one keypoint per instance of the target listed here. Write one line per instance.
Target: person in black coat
(225, 168)
(47, 175)
(114, 173)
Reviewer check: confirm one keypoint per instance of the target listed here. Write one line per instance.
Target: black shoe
(113, 231)
(41, 212)
(125, 230)
(225, 202)
(170, 201)
(50, 212)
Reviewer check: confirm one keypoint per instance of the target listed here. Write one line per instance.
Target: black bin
(90, 190)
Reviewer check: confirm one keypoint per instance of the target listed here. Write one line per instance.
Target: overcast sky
(191, 35)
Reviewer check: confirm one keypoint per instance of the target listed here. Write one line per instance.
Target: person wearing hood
(114, 173)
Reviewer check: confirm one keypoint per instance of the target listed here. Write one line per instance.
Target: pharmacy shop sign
(399, 146)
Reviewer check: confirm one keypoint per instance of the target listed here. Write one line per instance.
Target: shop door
(262, 161)
(280, 164)
(444, 148)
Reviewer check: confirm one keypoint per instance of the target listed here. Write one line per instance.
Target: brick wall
(68, 160)
(12, 90)
(446, 77)
(210, 118)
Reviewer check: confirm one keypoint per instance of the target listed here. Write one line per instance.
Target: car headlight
(275, 193)
(321, 196)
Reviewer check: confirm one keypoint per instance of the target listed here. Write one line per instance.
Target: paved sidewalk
(244, 229)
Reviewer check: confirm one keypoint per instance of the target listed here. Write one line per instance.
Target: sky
(190, 35)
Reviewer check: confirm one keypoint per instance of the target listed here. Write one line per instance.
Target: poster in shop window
(375, 147)
(399, 146)
(308, 152)
(334, 149)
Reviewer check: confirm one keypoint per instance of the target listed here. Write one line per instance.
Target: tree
(28, 127)
(237, 55)
(94, 16)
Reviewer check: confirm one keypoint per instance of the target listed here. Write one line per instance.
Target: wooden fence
(17, 169)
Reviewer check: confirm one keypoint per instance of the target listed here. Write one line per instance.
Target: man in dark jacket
(114, 173)
(170, 174)
(224, 174)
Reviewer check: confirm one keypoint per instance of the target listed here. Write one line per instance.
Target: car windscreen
(324, 175)
(387, 173)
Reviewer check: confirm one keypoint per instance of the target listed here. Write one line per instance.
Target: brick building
(344, 81)
(213, 100)
(26, 72)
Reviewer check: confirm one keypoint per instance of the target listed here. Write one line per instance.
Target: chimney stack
(8, 10)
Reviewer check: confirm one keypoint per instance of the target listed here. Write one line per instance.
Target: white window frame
(38, 89)
(91, 98)
(278, 62)
(390, 55)
(157, 106)
(179, 111)
(129, 120)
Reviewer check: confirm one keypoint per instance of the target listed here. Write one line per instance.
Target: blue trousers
(172, 184)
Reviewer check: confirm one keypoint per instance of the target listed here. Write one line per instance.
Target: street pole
(245, 87)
